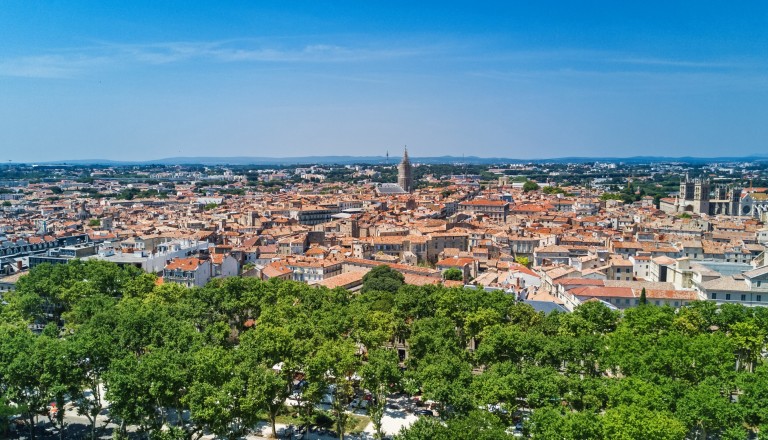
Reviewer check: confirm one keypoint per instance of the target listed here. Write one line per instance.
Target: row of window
(727, 297)
(628, 301)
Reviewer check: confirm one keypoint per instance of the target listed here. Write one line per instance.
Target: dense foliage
(229, 353)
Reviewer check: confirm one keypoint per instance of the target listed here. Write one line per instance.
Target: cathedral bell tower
(405, 173)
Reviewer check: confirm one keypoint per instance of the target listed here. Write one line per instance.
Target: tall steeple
(405, 173)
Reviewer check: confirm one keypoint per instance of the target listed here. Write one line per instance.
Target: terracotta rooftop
(184, 264)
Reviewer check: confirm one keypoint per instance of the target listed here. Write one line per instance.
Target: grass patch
(356, 424)
(287, 419)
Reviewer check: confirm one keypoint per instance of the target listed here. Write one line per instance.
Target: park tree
(425, 428)
(499, 386)
(341, 362)
(21, 355)
(547, 423)
(216, 392)
(94, 348)
(753, 401)
(638, 423)
(445, 378)
(233, 350)
(380, 374)
(265, 392)
(142, 391)
(431, 336)
(706, 409)
(276, 358)
(597, 316)
(749, 340)
(382, 278)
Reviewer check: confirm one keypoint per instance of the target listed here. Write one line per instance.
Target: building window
(743, 297)
(713, 296)
(658, 303)
(727, 296)
(759, 298)
(677, 303)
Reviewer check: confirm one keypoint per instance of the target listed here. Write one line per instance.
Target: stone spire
(405, 173)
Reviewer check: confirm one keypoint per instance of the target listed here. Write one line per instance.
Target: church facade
(697, 196)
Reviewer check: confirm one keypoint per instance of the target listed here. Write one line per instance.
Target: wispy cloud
(67, 63)
(50, 66)
(239, 52)
(607, 60)
(628, 81)
(665, 62)
(72, 62)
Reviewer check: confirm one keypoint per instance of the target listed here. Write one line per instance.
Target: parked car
(359, 403)
(424, 412)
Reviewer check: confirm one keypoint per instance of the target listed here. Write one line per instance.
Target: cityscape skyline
(147, 81)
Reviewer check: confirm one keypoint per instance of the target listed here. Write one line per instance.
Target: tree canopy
(240, 350)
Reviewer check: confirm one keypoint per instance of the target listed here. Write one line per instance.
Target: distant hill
(377, 160)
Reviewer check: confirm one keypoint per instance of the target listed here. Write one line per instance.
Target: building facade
(698, 197)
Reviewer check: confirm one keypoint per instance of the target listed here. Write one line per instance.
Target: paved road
(399, 413)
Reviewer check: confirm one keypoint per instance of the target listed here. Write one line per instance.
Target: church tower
(405, 173)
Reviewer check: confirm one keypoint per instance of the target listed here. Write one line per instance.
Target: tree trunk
(272, 418)
(31, 426)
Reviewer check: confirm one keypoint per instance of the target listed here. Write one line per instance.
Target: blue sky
(146, 80)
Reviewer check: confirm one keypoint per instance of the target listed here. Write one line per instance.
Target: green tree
(706, 409)
(530, 185)
(382, 278)
(21, 355)
(754, 400)
(94, 348)
(341, 363)
(58, 370)
(216, 392)
(453, 274)
(522, 260)
(275, 350)
(445, 378)
(547, 424)
(735, 432)
(265, 391)
(637, 423)
(583, 425)
(380, 374)
(611, 196)
(424, 428)
(749, 340)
